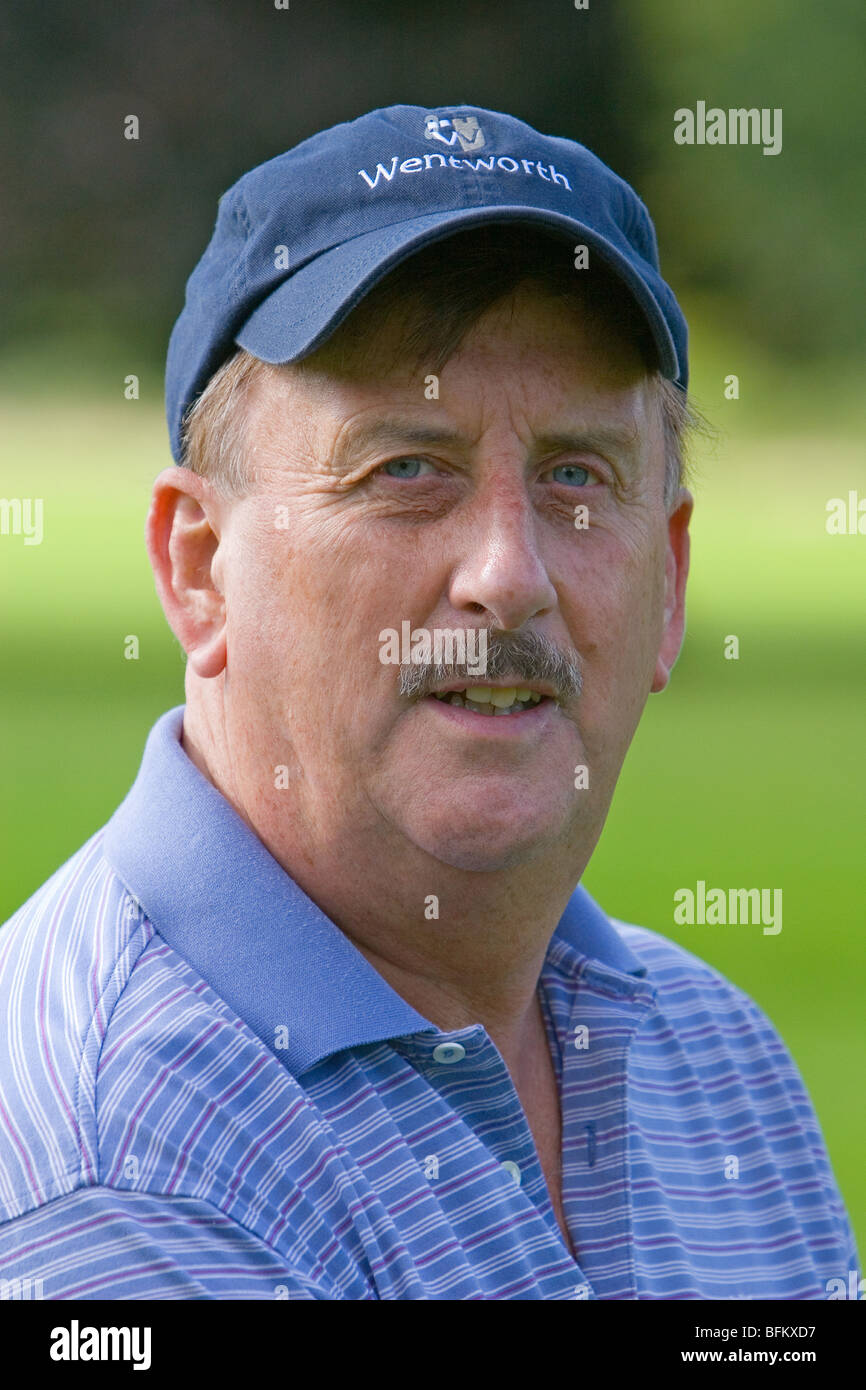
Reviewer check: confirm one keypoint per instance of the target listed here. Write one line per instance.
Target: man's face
(374, 505)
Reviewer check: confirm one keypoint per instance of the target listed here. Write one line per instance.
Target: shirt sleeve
(105, 1243)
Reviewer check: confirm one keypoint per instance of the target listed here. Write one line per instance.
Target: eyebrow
(395, 433)
(622, 440)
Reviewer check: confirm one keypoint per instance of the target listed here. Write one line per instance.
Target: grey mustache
(526, 656)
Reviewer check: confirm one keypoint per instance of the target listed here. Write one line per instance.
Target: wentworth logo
(462, 130)
(531, 167)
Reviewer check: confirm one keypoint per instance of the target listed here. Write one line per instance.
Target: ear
(182, 533)
(676, 574)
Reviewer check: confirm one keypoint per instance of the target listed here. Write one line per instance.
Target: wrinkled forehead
(527, 369)
(392, 348)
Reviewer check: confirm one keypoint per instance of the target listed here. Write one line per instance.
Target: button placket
(473, 1079)
(596, 1174)
(481, 1052)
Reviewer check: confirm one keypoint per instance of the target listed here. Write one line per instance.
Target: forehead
(551, 337)
(530, 347)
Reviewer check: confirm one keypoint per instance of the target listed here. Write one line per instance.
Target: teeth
(486, 699)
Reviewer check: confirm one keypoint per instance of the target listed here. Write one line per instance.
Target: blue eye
(577, 476)
(403, 468)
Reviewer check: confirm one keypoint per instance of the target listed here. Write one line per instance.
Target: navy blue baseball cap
(301, 239)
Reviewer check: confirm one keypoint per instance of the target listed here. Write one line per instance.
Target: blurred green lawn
(744, 773)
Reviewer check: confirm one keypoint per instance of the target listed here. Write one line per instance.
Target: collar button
(447, 1053)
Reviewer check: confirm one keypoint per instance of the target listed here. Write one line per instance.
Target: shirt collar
(220, 899)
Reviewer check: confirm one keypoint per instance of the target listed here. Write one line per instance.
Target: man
(323, 1011)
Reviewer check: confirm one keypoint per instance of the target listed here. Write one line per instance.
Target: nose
(501, 572)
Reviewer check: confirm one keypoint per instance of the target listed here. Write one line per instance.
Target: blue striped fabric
(207, 1092)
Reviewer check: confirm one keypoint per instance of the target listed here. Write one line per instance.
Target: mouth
(494, 701)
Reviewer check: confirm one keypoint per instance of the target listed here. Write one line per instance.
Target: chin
(484, 860)
(485, 847)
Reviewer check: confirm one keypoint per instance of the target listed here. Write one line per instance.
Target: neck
(462, 947)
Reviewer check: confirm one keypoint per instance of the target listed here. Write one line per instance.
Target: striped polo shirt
(207, 1092)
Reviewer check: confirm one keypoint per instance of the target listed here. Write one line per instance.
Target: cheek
(305, 610)
(268, 631)
(289, 589)
(616, 622)
(346, 579)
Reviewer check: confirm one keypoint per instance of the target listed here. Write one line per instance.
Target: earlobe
(209, 659)
(661, 678)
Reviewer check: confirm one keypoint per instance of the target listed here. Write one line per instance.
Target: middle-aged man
(323, 1011)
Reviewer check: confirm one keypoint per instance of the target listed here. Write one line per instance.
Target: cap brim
(303, 312)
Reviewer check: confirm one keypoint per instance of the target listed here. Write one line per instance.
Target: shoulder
(722, 1036)
(707, 1041)
(682, 978)
(66, 957)
(126, 1072)
(104, 1243)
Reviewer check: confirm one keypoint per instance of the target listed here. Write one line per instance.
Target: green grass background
(745, 773)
